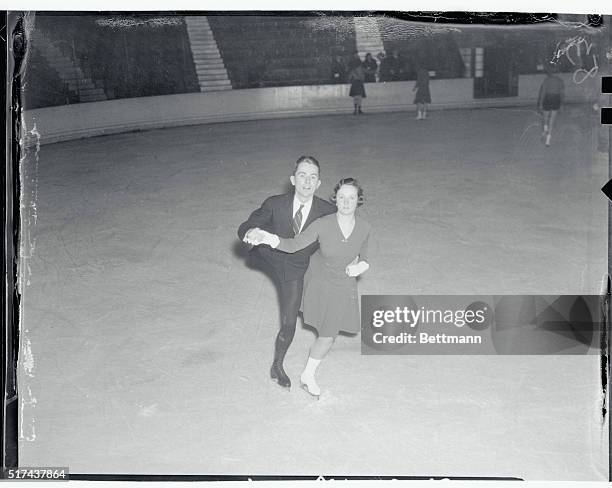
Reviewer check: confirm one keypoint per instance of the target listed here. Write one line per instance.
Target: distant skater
(357, 91)
(330, 301)
(551, 97)
(423, 96)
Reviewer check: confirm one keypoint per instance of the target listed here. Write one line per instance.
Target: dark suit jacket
(276, 215)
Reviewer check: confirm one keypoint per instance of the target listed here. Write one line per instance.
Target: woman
(423, 96)
(330, 300)
(356, 79)
(549, 102)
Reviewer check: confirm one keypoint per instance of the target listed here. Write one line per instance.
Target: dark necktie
(297, 220)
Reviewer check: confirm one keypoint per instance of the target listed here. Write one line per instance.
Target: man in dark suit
(286, 216)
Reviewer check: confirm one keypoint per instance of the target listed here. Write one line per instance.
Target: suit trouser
(290, 298)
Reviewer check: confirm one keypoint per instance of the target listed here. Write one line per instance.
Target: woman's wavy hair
(351, 182)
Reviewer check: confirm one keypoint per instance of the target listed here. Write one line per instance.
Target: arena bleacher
(261, 51)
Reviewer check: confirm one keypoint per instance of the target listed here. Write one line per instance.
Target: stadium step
(203, 36)
(209, 65)
(206, 55)
(217, 83)
(68, 70)
(210, 69)
(216, 88)
(368, 37)
(214, 77)
(211, 51)
(204, 45)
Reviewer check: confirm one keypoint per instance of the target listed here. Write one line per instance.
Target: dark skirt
(357, 89)
(422, 95)
(328, 304)
(551, 102)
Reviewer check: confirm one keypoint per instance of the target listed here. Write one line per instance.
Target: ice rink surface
(146, 339)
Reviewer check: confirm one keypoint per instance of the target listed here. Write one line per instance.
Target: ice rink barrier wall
(75, 121)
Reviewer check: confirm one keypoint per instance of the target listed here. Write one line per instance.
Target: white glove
(259, 236)
(356, 269)
(271, 240)
(253, 236)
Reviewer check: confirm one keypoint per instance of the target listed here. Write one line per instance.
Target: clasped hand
(258, 236)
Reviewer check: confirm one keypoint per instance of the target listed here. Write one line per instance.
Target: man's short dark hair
(307, 159)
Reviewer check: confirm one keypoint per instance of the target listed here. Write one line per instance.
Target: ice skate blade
(304, 387)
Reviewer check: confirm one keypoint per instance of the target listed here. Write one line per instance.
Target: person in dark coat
(550, 99)
(338, 70)
(394, 66)
(370, 66)
(288, 215)
(383, 68)
(423, 96)
(354, 62)
(357, 91)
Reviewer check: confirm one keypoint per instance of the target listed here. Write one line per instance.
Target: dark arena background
(146, 336)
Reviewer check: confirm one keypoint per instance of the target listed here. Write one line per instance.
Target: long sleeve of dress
(309, 235)
(363, 251)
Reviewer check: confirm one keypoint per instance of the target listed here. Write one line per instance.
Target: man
(286, 216)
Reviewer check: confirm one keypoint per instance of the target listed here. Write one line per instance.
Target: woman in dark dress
(330, 301)
(423, 96)
(549, 102)
(357, 91)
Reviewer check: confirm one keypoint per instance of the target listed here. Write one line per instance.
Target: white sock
(311, 368)
(308, 378)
